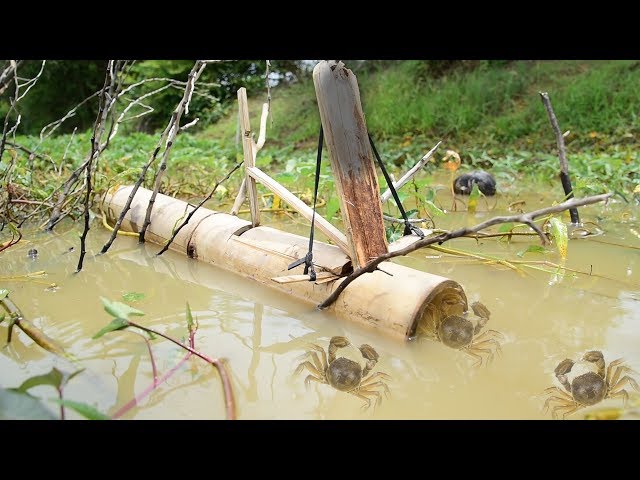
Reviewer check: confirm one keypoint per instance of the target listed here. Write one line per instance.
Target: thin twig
(8, 73)
(174, 129)
(562, 154)
(526, 218)
(216, 362)
(410, 174)
(156, 382)
(206, 199)
(98, 130)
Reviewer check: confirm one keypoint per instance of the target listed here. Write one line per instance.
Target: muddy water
(262, 333)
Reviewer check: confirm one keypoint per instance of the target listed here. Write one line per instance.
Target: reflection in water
(252, 391)
(263, 332)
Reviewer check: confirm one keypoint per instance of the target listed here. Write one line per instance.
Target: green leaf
(132, 296)
(116, 324)
(532, 249)
(333, 205)
(3, 293)
(55, 378)
(413, 213)
(2, 317)
(472, 204)
(119, 310)
(505, 227)
(560, 236)
(191, 324)
(87, 411)
(433, 209)
(22, 406)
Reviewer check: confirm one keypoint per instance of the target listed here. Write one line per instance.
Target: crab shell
(588, 389)
(344, 374)
(455, 331)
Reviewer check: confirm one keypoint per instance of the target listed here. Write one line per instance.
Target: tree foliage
(65, 83)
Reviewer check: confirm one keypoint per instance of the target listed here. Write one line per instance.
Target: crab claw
(339, 342)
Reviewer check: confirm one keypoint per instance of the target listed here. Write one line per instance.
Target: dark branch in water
(98, 131)
(526, 218)
(562, 154)
(206, 199)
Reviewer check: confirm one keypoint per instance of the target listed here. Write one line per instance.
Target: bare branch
(526, 218)
(173, 129)
(29, 83)
(206, 199)
(98, 131)
(8, 73)
(562, 154)
(410, 174)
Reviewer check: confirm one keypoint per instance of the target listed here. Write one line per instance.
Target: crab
(344, 374)
(589, 388)
(458, 332)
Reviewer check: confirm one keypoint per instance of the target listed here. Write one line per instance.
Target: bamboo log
(392, 301)
(352, 164)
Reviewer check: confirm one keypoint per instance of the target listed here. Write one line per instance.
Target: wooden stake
(347, 140)
(249, 158)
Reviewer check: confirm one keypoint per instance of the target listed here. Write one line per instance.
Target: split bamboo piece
(352, 164)
(392, 300)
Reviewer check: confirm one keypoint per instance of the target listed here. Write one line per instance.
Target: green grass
(491, 115)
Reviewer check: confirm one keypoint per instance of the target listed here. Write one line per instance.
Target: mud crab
(458, 332)
(344, 374)
(591, 387)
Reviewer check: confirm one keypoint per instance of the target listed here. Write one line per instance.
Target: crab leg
(479, 362)
(368, 387)
(363, 395)
(554, 398)
(490, 333)
(489, 353)
(309, 378)
(317, 348)
(486, 343)
(616, 390)
(572, 408)
(611, 366)
(315, 374)
(619, 370)
(382, 375)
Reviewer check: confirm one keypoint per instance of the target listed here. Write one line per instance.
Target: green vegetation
(487, 111)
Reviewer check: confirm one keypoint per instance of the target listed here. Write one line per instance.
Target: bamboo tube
(392, 300)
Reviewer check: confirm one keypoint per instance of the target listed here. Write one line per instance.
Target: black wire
(408, 227)
(308, 258)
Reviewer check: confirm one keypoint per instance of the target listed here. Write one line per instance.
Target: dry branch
(410, 174)
(8, 73)
(562, 154)
(173, 130)
(526, 218)
(98, 131)
(206, 199)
